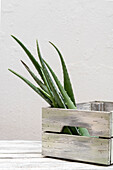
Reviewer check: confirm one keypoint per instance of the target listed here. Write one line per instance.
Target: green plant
(49, 86)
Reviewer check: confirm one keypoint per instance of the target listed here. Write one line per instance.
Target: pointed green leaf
(37, 90)
(33, 60)
(58, 98)
(50, 92)
(39, 82)
(46, 95)
(67, 99)
(69, 103)
(67, 82)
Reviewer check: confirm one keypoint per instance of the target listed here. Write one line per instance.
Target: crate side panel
(108, 106)
(111, 150)
(97, 106)
(97, 123)
(112, 123)
(84, 106)
(93, 150)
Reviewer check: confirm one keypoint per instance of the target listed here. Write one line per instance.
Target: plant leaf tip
(10, 70)
(50, 42)
(12, 35)
(24, 64)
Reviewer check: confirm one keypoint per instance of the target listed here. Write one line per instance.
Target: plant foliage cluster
(49, 86)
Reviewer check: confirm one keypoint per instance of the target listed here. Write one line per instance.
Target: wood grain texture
(111, 151)
(98, 123)
(84, 106)
(96, 116)
(108, 106)
(79, 148)
(17, 160)
(97, 106)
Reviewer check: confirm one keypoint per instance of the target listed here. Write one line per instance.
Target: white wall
(82, 29)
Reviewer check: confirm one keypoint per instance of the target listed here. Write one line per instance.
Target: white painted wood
(108, 106)
(11, 147)
(84, 106)
(35, 161)
(112, 150)
(81, 148)
(98, 106)
(96, 116)
(98, 123)
(111, 123)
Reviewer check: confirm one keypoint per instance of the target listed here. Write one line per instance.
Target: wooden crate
(96, 116)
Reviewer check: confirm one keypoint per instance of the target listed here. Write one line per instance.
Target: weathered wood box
(96, 116)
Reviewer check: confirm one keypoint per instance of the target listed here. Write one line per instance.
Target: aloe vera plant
(49, 86)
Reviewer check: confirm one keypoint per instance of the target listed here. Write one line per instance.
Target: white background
(83, 31)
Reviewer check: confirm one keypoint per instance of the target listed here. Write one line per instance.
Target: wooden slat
(97, 106)
(111, 124)
(20, 155)
(98, 123)
(86, 149)
(20, 147)
(108, 106)
(46, 164)
(20, 161)
(84, 106)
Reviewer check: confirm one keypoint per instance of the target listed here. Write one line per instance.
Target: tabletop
(26, 155)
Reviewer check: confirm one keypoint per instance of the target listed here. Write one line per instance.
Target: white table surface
(26, 155)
